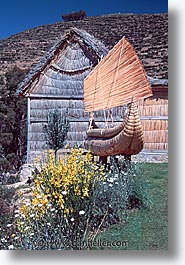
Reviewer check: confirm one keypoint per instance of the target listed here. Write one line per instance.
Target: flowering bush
(59, 212)
(112, 194)
(72, 199)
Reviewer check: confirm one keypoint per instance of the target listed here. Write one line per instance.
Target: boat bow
(127, 139)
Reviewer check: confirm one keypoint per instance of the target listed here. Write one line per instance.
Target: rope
(97, 76)
(95, 88)
(90, 120)
(104, 112)
(112, 120)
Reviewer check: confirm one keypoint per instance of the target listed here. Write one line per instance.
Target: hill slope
(148, 34)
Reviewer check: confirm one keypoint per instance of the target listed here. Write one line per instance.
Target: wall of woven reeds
(79, 120)
(154, 116)
(39, 110)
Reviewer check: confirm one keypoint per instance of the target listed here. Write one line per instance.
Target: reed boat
(119, 79)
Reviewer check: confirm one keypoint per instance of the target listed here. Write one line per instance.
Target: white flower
(72, 219)
(110, 185)
(16, 211)
(26, 228)
(9, 225)
(11, 247)
(3, 240)
(64, 192)
(21, 223)
(111, 180)
(31, 234)
(16, 215)
(32, 215)
(48, 224)
(40, 204)
(52, 209)
(81, 212)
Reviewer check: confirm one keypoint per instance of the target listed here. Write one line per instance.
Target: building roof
(67, 63)
(72, 57)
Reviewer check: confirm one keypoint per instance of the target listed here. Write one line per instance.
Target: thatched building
(57, 82)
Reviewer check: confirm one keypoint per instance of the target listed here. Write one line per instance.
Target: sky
(19, 15)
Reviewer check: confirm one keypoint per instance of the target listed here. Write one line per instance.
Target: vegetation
(74, 16)
(146, 229)
(75, 202)
(9, 178)
(12, 121)
(78, 204)
(56, 130)
(6, 213)
(72, 200)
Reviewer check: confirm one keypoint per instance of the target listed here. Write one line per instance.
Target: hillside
(148, 34)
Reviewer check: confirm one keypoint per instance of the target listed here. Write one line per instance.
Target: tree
(74, 16)
(56, 130)
(12, 119)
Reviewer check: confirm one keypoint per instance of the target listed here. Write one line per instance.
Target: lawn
(145, 228)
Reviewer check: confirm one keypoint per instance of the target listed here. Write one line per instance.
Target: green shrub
(55, 130)
(6, 216)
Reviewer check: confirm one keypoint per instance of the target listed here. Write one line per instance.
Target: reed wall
(153, 114)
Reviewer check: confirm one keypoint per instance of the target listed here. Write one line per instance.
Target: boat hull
(124, 139)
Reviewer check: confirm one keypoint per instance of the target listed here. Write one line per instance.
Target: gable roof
(79, 52)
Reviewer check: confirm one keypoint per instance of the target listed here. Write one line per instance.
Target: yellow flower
(20, 193)
(61, 201)
(77, 191)
(35, 201)
(55, 195)
(66, 211)
(58, 181)
(85, 191)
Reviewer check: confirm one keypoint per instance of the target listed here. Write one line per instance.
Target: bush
(72, 200)
(56, 130)
(74, 16)
(9, 177)
(6, 216)
(58, 215)
(13, 121)
(114, 196)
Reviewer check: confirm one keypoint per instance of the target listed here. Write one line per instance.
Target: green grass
(147, 228)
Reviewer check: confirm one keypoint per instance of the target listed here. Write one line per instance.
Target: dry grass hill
(148, 34)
